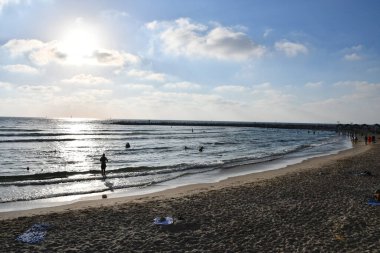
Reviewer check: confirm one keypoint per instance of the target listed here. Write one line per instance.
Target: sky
(238, 60)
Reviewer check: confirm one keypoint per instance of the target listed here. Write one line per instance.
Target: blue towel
(167, 221)
(373, 202)
(35, 234)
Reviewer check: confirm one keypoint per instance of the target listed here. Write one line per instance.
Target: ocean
(48, 161)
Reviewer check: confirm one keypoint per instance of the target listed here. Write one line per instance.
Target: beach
(319, 205)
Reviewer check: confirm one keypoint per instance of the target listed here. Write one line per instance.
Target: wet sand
(318, 205)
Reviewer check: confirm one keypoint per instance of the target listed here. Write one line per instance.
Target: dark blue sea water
(63, 154)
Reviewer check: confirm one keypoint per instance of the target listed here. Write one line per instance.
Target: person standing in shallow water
(103, 161)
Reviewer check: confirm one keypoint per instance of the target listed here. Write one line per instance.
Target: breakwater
(358, 128)
(310, 126)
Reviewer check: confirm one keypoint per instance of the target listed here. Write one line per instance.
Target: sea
(47, 162)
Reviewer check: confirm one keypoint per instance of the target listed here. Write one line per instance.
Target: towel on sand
(35, 234)
(163, 221)
(373, 202)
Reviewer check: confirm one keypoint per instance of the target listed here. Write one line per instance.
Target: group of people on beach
(369, 139)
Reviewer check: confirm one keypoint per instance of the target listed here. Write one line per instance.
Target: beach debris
(35, 234)
(104, 196)
(364, 173)
(339, 237)
(163, 220)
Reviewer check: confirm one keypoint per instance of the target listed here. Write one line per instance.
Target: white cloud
(267, 32)
(4, 3)
(262, 86)
(138, 86)
(313, 85)
(43, 53)
(19, 47)
(107, 57)
(357, 47)
(112, 14)
(87, 79)
(6, 86)
(362, 86)
(230, 88)
(38, 89)
(48, 53)
(39, 52)
(182, 85)
(20, 68)
(183, 37)
(352, 57)
(291, 49)
(147, 75)
(93, 94)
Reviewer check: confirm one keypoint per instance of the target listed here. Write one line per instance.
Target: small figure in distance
(103, 166)
(127, 145)
(201, 149)
(186, 147)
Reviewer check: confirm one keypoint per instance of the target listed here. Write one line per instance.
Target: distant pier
(308, 126)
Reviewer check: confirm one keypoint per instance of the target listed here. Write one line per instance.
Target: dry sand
(318, 205)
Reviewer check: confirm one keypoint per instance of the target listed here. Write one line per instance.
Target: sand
(318, 205)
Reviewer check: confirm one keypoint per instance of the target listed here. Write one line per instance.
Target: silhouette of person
(103, 166)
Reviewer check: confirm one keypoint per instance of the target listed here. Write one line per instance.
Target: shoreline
(319, 205)
(192, 188)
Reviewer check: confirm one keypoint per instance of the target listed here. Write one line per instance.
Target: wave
(18, 130)
(71, 176)
(108, 187)
(37, 140)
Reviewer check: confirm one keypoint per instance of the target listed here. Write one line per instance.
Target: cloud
(291, 49)
(87, 79)
(19, 47)
(47, 54)
(39, 52)
(361, 86)
(92, 95)
(230, 88)
(353, 53)
(313, 85)
(182, 85)
(138, 86)
(112, 14)
(20, 68)
(184, 37)
(38, 89)
(6, 86)
(267, 32)
(107, 57)
(43, 53)
(352, 57)
(147, 75)
(4, 3)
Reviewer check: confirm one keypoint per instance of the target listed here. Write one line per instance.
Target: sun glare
(79, 44)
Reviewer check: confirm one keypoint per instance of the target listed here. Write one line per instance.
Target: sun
(79, 44)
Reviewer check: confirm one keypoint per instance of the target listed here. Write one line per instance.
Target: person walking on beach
(103, 166)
